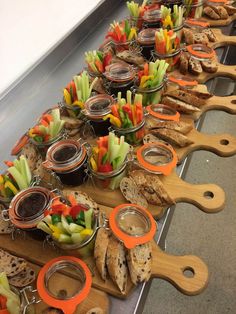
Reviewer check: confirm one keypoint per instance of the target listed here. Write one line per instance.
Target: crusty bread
(202, 95)
(209, 34)
(200, 38)
(222, 13)
(116, 263)
(230, 9)
(186, 97)
(173, 137)
(24, 278)
(132, 193)
(150, 138)
(140, 262)
(179, 105)
(209, 66)
(210, 12)
(84, 199)
(72, 123)
(194, 66)
(184, 60)
(188, 35)
(100, 251)
(131, 57)
(181, 126)
(10, 264)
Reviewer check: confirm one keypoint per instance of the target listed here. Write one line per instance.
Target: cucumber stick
(20, 180)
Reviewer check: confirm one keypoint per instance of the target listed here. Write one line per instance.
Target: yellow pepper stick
(145, 78)
(114, 120)
(1, 179)
(93, 164)
(55, 231)
(132, 34)
(31, 133)
(10, 186)
(78, 103)
(67, 97)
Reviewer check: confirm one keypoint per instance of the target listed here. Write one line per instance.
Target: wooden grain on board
(179, 190)
(221, 39)
(223, 145)
(221, 22)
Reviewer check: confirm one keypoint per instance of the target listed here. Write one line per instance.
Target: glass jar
(67, 158)
(151, 95)
(96, 108)
(108, 180)
(172, 59)
(178, 31)
(170, 3)
(136, 22)
(132, 224)
(194, 10)
(5, 201)
(120, 78)
(120, 46)
(134, 135)
(195, 24)
(43, 147)
(27, 209)
(146, 39)
(73, 292)
(86, 247)
(152, 18)
(201, 52)
(181, 81)
(160, 113)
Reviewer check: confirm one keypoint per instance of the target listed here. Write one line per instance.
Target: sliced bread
(186, 97)
(181, 126)
(194, 66)
(140, 262)
(100, 251)
(132, 193)
(179, 105)
(10, 264)
(209, 66)
(172, 137)
(116, 263)
(24, 278)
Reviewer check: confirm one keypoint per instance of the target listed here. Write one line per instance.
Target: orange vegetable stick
(72, 200)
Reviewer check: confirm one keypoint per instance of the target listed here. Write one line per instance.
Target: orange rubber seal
(218, 1)
(200, 54)
(20, 144)
(129, 240)
(163, 169)
(67, 306)
(163, 116)
(197, 23)
(182, 82)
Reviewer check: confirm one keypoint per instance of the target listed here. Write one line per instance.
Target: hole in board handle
(233, 101)
(208, 194)
(189, 272)
(224, 142)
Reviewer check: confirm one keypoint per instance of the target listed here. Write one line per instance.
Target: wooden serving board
(221, 39)
(215, 23)
(225, 103)
(165, 266)
(179, 190)
(96, 298)
(223, 145)
(223, 70)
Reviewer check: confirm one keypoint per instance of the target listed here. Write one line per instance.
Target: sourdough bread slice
(230, 9)
(184, 60)
(100, 251)
(179, 105)
(200, 38)
(140, 262)
(202, 95)
(132, 193)
(5, 226)
(209, 11)
(222, 13)
(116, 263)
(172, 137)
(209, 66)
(188, 35)
(209, 34)
(194, 66)
(186, 97)
(24, 278)
(181, 126)
(10, 264)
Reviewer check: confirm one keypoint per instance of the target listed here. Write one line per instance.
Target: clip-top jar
(160, 113)
(146, 39)
(67, 159)
(96, 108)
(152, 18)
(72, 292)
(120, 78)
(27, 209)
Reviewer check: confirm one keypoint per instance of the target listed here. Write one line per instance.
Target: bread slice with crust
(230, 9)
(194, 66)
(132, 193)
(181, 126)
(100, 251)
(140, 262)
(173, 137)
(116, 263)
(186, 97)
(179, 105)
(209, 66)
(202, 94)
(209, 11)
(222, 12)
(209, 34)
(24, 278)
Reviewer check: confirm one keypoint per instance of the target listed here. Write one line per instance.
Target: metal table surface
(42, 87)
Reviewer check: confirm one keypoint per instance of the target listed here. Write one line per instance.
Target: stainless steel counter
(42, 88)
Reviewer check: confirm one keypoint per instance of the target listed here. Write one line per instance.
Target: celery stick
(56, 114)
(20, 180)
(64, 238)
(115, 152)
(129, 97)
(123, 151)
(88, 218)
(16, 163)
(42, 226)
(119, 98)
(138, 98)
(25, 169)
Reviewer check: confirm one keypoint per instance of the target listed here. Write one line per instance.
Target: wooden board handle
(226, 70)
(226, 103)
(223, 145)
(222, 39)
(172, 268)
(210, 198)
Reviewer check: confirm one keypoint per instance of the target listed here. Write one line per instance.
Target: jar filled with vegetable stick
(151, 82)
(193, 9)
(120, 78)
(172, 59)
(107, 163)
(146, 40)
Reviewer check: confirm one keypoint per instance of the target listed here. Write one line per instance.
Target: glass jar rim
(152, 89)
(51, 141)
(110, 174)
(135, 128)
(147, 40)
(98, 113)
(114, 72)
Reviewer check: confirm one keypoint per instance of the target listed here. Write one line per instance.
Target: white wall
(29, 28)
